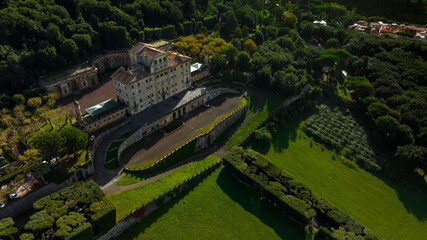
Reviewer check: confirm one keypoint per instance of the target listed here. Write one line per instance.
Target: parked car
(37, 183)
(28, 176)
(14, 196)
(77, 209)
(207, 105)
(2, 205)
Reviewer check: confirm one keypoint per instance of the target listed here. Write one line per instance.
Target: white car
(14, 196)
(2, 205)
(207, 105)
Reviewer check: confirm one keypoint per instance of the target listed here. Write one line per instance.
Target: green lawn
(219, 207)
(245, 131)
(129, 200)
(388, 209)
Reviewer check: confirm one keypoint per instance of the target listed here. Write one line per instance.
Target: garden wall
(111, 61)
(201, 141)
(141, 213)
(159, 123)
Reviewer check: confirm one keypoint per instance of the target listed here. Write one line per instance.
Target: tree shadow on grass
(263, 210)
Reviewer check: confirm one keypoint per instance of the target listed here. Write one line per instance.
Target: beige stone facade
(154, 76)
(71, 81)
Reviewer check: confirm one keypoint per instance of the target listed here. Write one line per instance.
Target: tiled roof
(145, 49)
(176, 58)
(122, 76)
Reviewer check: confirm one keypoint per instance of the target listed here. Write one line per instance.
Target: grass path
(217, 208)
(387, 208)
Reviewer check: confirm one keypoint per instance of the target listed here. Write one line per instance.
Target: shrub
(169, 32)
(188, 27)
(6, 228)
(103, 215)
(149, 33)
(26, 236)
(84, 232)
(157, 33)
(69, 223)
(40, 221)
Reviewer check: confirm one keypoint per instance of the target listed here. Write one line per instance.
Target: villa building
(154, 75)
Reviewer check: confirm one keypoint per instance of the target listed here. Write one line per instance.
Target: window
(164, 59)
(138, 84)
(146, 80)
(155, 61)
(160, 60)
(140, 100)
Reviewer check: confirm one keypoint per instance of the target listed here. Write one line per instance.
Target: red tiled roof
(122, 76)
(145, 49)
(415, 28)
(176, 58)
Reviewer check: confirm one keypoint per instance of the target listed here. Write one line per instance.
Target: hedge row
(104, 215)
(167, 32)
(290, 195)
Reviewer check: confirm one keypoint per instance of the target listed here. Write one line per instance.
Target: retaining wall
(111, 61)
(161, 122)
(141, 213)
(202, 140)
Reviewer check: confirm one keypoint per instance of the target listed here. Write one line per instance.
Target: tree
(243, 61)
(26, 236)
(218, 64)
(332, 43)
(18, 99)
(7, 230)
(34, 102)
(259, 37)
(231, 53)
(285, 42)
(229, 25)
(249, 45)
(412, 156)
(263, 135)
(74, 139)
(70, 50)
(361, 87)
(50, 144)
(69, 223)
(290, 20)
(30, 156)
(378, 109)
(40, 221)
(263, 76)
(386, 124)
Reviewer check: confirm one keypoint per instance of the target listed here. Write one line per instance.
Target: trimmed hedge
(84, 232)
(168, 32)
(157, 33)
(188, 27)
(104, 215)
(290, 195)
(209, 22)
(149, 33)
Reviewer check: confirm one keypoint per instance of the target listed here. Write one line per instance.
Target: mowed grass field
(387, 208)
(219, 207)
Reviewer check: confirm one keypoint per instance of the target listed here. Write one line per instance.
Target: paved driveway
(154, 148)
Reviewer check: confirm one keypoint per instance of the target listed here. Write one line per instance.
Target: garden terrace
(132, 199)
(223, 209)
(292, 197)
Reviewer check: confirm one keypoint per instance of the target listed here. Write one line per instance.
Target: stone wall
(159, 123)
(141, 213)
(111, 61)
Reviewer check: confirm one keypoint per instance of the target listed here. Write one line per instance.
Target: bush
(169, 32)
(26, 236)
(209, 22)
(103, 215)
(84, 232)
(69, 223)
(188, 27)
(149, 33)
(40, 221)
(6, 228)
(157, 33)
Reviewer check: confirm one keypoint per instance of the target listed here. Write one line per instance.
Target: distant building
(70, 81)
(154, 76)
(414, 30)
(321, 22)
